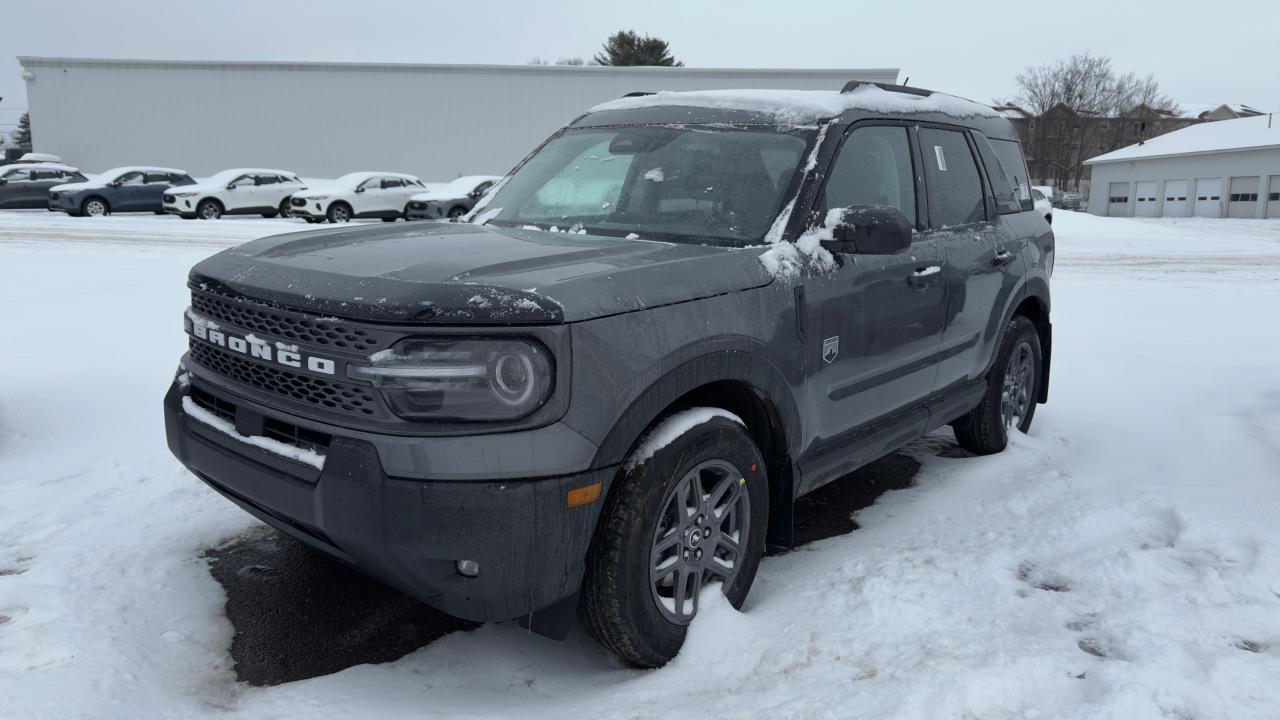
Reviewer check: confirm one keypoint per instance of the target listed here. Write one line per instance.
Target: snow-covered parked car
(1044, 205)
(122, 189)
(238, 191)
(382, 195)
(27, 185)
(454, 199)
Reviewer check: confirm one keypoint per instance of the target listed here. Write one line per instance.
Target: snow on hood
(454, 189)
(77, 186)
(801, 106)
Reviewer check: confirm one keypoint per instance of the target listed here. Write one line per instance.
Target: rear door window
(952, 179)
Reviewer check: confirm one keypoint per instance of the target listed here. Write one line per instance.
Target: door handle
(923, 277)
(1002, 258)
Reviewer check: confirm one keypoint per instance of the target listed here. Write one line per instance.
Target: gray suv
(607, 389)
(27, 185)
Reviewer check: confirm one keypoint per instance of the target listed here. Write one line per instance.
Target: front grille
(336, 396)
(277, 430)
(53, 196)
(169, 198)
(215, 405)
(417, 206)
(297, 202)
(277, 324)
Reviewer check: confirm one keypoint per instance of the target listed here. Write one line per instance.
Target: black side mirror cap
(868, 230)
(231, 186)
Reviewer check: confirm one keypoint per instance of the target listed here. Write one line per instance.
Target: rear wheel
(457, 212)
(1013, 384)
(286, 210)
(95, 207)
(389, 219)
(692, 514)
(339, 212)
(209, 210)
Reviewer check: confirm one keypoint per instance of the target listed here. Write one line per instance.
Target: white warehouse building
(326, 119)
(1229, 168)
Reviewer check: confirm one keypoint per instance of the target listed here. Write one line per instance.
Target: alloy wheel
(1015, 396)
(95, 208)
(700, 536)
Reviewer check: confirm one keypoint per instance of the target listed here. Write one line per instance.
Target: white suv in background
(238, 191)
(358, 195)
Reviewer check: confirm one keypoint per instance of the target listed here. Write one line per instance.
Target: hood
(456, 273)
(437, 196)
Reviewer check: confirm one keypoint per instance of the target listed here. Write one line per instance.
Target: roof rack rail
(639, 93)
(854, 84)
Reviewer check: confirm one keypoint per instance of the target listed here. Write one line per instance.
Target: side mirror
(113, 184)
(231, 186)
(360, 189)
(868, 230)
(4, 181)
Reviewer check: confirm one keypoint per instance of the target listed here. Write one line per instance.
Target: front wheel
(95, 207)
(209, 210)
(339, 212)
(457, 212)
(1013, 384)
(691, 514)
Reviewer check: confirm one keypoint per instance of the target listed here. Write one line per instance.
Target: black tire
(389, 219)
(1048, 219)
(209, 209)
(620, 603)
(91, 204)
(339, 212)
(269, 215)
(984, 429)
(286, 210)
(457, 211)
(313, 220)
(158, 212)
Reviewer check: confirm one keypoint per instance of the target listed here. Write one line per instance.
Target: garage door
(1273, 197)
(1144, 199)
(1242, 201)
(1208, 197)
(1118, 200)
(1175, 198)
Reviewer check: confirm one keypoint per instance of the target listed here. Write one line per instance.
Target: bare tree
(1081, 104)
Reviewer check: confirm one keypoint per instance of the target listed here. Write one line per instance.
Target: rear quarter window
(1011, 157)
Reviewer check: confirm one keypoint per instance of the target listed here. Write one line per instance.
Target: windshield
(718, 185)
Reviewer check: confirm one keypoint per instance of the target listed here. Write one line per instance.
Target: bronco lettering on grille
(255, 347)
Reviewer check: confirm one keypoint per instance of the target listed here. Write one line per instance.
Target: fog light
(468, 568)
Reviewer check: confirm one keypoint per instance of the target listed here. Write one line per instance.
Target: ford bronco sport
(605, 387)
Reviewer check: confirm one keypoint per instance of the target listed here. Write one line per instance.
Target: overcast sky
(1200, 52)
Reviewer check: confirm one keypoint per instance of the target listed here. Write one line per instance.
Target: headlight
(183, 194)
(316, 198)
(461, 380)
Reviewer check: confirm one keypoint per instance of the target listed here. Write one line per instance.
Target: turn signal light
(584, 495)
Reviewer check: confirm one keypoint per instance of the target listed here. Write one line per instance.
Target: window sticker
(942, 159)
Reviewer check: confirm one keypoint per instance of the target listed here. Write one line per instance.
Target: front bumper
(418, 210)
(408, 533)
(311, 209)
(184, 206)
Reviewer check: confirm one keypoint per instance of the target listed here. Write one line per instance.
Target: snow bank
(805, 106)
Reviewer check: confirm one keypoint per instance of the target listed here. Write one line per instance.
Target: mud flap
(553, 621)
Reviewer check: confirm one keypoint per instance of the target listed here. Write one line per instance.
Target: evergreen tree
(22, 136)
(627, 48)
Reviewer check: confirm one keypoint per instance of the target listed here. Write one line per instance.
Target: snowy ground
(1123, 561)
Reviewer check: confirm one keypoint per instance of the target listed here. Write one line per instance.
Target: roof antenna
(907, 81)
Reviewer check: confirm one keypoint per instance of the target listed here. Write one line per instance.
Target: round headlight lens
(461, 380)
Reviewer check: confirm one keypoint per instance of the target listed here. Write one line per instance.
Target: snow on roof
(39, 166)
(1222, 136)
(142, 168)
(365, 175)
(807, 105)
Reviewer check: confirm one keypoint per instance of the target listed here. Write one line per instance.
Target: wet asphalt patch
(297, 614)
